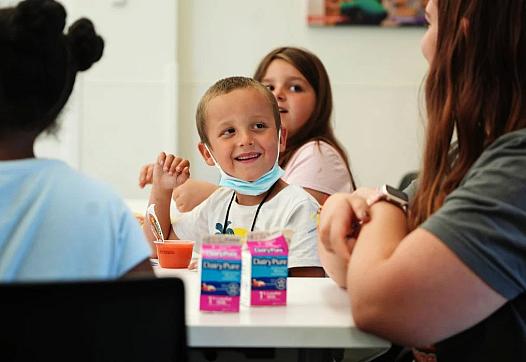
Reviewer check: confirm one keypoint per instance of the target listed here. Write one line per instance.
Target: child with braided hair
(55, 223)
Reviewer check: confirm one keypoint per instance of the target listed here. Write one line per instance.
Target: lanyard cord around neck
(257, 210)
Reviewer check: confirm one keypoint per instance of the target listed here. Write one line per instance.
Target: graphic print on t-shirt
(219, 228)
(242, 232)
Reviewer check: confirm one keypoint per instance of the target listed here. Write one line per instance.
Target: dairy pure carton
(220, 273)
(265, 269)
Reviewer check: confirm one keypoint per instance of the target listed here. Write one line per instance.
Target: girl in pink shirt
(313, 158)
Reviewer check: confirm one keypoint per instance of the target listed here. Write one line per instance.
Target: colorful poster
(387, 13)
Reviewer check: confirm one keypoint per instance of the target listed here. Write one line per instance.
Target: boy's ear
(283, 140)
(206, 155)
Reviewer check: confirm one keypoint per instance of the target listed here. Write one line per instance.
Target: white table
(317, 315)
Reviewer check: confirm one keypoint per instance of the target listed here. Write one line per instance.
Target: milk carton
(265, 269)
(220, 273)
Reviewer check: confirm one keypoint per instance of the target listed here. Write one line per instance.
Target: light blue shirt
(57, 224)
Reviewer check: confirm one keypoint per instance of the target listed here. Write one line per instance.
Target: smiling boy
(239, 125)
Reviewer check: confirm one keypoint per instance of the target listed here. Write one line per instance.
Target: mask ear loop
(211, 155)
(279, 145)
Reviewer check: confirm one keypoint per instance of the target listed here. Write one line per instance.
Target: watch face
(396, 193)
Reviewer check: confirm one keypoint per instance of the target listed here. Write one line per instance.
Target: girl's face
(429, 40)
(296, 97)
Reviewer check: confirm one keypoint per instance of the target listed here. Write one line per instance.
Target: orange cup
(175, 253)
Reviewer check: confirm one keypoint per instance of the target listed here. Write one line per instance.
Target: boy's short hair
(225, 86)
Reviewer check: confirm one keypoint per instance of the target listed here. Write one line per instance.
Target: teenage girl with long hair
(450, 275)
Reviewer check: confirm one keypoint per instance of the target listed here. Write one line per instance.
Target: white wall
(161, 56)
(376, 76)
(123, 109)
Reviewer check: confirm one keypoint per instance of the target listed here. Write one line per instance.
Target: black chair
(407, 179)
(124, 320)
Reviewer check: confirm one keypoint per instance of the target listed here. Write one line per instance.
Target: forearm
(380, 236)
(370, 274)
(192, 193)
(204, 189)
(161, 198)
(337, 231)
(376, 242)
(412, 289)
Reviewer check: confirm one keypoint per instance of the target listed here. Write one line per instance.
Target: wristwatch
(394, 196)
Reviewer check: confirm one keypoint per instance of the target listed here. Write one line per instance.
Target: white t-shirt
(320, 168)
(292, 208)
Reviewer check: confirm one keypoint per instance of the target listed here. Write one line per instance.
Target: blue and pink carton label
(265, 269)
(220, 269)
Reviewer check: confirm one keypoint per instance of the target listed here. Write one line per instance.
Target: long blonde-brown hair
(475, 87)
(318, 126)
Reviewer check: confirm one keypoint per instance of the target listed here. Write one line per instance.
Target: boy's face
(242, 133)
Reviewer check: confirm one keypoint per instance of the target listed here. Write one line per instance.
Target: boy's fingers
(161, 158)
(174, 165)
(182, 165)
(168, 163)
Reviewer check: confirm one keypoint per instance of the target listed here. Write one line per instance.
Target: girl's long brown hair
(318, 126)
(476, 86)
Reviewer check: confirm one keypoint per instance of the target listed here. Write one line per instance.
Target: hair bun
(86, 45)
(38, 20)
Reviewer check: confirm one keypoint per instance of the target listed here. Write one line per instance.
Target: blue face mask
(252, 188)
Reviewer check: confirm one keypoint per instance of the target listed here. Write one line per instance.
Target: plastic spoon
(154, 223)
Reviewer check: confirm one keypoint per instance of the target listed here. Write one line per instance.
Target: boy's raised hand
(170, 171)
